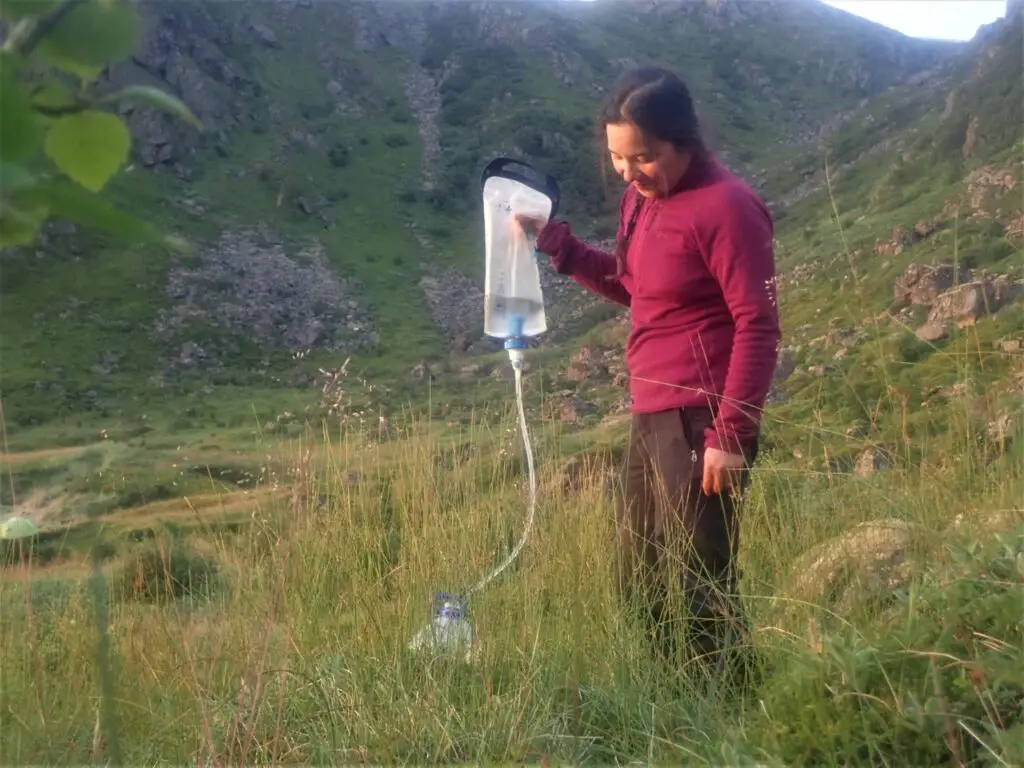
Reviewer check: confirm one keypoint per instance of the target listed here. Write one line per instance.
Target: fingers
(716, 479)
(528, 223)
(710, 481)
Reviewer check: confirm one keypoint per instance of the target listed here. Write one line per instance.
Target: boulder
(869, 560)
(967, 304)
(922, 284)
(870, 462)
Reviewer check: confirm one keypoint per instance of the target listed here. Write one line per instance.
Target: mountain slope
(938, 153)
(332, 197)
(901, 259)
(157, 406)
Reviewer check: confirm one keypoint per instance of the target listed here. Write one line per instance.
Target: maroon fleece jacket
(700, 286)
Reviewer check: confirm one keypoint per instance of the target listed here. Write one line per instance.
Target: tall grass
(293, 649)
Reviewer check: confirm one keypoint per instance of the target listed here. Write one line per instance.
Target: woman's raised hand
(531, 225)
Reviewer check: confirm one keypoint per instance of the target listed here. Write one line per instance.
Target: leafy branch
(30, 31)
(59, 148)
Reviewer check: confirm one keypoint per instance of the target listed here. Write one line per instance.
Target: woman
(695, 265)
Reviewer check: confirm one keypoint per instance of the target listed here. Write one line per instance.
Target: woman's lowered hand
(721, 471)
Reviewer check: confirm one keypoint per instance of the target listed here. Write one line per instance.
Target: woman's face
(652, 166)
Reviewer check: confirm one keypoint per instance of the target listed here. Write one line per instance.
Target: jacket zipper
(648, 219)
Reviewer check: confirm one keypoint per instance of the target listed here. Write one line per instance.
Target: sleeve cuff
(726, 440)
(554, 241)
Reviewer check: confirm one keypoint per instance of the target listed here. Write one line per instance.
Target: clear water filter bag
(513, 300)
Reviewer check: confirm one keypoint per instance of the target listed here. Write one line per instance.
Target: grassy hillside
(927, 174)
(280, 635)
(362, 127)
(251, 541)
(102, 360)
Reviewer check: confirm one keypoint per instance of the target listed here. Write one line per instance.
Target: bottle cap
(448, 606)
(450, 611)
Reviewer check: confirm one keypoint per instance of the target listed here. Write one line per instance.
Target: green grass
(364, 176)
(369, 241)
(300, 553)
(293, 647)
(316, 574)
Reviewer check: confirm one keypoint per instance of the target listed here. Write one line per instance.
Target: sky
(939, 19)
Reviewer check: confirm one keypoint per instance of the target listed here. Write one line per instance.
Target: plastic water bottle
(450, 631)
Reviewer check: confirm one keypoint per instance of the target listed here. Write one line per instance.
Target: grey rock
(249, 284)
(870, 462)
(922, 284)
(265, 35)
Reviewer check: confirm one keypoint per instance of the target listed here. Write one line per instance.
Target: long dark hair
(658, 102)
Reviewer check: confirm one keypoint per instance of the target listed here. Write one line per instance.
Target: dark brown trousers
(677, 546)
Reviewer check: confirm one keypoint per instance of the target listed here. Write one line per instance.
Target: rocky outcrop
(184, 48)
(902, 238)
(405, 27)
(572, 409)
(967, 304)
(424, 97)
(600, 365)
(457, 306)
(585, 363)
(986, 189)
(952, 295)
(923, 283)
(868, 561)
(587, 472)
(870, 462)
(839, 339)
(249, 284)
(264, 34)
(389, 25)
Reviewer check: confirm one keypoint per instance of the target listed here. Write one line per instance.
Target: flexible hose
(517, 368)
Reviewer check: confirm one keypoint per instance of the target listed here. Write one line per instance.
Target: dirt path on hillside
(216, 504)
(15, 460)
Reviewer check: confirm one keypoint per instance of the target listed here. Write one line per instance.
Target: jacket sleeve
(737, 245)
(589, 267)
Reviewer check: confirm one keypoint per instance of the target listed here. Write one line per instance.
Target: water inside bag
(513, 299)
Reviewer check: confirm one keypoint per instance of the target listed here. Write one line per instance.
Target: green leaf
(158, 98)
(52, 95)
(19, 128)
(67, 201)
(89, 146)
(62, 199)
(14, 177)
(15, 10)
(18, 225)
(91, 36)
